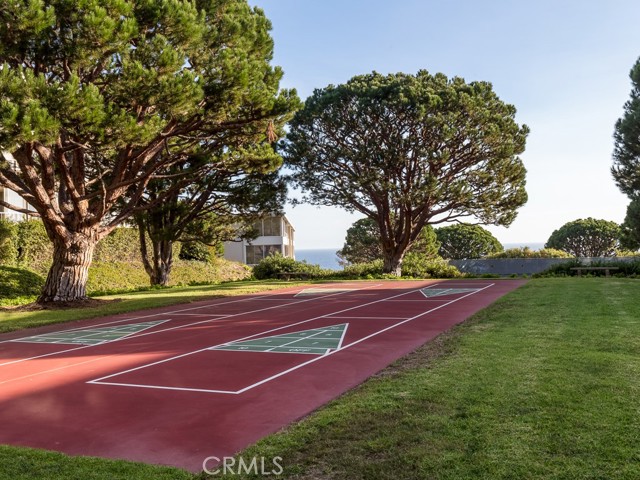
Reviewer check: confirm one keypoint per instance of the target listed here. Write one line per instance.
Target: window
(255, 253)
(258, 226)
(272, 226)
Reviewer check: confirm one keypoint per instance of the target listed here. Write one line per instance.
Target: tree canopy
(98, 97)
(363, 243)
(462, 241)
(218, 205)
(626, 160)
(407, 151)
(588, 237)
(626, 154)
(630, 228)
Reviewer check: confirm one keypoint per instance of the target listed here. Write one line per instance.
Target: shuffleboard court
(179, 384)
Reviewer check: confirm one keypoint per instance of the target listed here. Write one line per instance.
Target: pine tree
(626, 154)
(98, 97)
(408, 151)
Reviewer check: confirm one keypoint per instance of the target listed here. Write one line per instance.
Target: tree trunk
(162, 262)
(67, 277)
(159, 268)
(393, 263)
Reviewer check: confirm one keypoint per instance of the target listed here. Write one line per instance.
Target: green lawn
(543, 384)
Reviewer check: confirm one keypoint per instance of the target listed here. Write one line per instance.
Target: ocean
(531, 245)
(326, 257)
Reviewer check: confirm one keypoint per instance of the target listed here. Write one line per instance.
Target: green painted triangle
(439, 292)
(316, 341)
(91, 336)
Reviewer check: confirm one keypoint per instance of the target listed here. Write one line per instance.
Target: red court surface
(179, 384)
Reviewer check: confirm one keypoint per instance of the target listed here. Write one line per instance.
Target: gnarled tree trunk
(162, 262)
(159, 267)
(393, 263)
(67, 277)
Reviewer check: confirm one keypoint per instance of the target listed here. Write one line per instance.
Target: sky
(564, 64)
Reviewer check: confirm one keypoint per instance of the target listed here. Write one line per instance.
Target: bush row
(414, 266)
(26, 245)
(526, 252)
(624, 269)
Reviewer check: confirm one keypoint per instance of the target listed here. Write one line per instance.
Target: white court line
(168, 329)
(175, 312)
(98, 325)
(422, 300)
(102, 382)
(251, 336)
(292, 299)
(89, 336)
(371, 318)
(344, 333)
(296, 340)
(273, 377)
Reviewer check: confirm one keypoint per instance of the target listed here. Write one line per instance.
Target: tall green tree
(626, 160)
(462, 241)
(626, 153)
(219, 205)
(407, 151)
(98, 97)
(630, 228)
(587, 237)
(363, 243)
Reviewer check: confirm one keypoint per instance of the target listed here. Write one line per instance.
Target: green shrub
(415, 265)
(110, 277)
(272, 265)
(18, 285)
(625, 269)
(362, 270)
(8, 250)
(627, 253)
(121, 245)
(196, 251)
(35, 250)
(419, 266)
(191, 272)
(105, 277)
(526, 252)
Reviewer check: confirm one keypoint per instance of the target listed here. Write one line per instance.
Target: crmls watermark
(232, 466)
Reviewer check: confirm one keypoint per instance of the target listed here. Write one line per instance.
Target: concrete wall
(522, 266)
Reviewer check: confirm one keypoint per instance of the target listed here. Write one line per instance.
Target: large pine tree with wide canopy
(99, 97)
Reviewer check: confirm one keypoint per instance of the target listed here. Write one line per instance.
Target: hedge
(526, 252)
(415, 265)
(624, 269)
(18, 286)
(273, 265)
(32, 249)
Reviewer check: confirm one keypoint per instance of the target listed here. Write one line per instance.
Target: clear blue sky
(563, 64)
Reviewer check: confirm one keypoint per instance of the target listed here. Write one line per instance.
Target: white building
(275, 236)
(12, 198)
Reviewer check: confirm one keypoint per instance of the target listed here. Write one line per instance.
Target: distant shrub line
(414, 266)
(630, 269)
